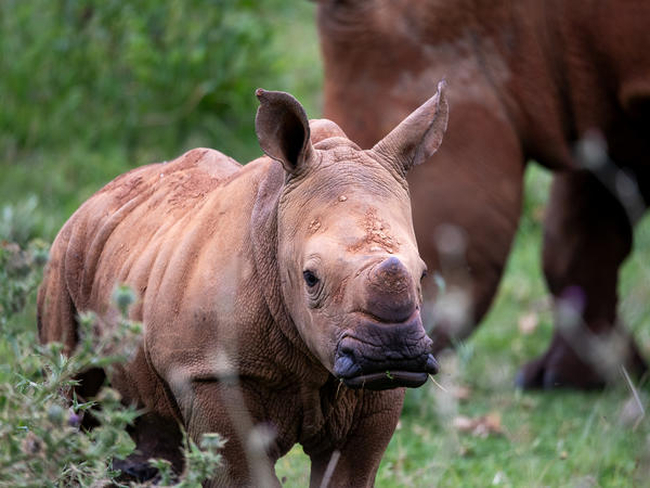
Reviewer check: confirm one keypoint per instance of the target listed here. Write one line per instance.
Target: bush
(90, 89)
(142, 73)
(20, 273)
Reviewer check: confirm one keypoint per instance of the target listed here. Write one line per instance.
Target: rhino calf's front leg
(355, 463)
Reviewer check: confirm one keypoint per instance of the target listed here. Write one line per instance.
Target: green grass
(51, 165)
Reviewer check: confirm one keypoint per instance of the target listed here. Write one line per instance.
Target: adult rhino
(528, 80)
(282, 295)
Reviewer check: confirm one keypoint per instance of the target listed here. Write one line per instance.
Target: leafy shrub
(142, 72)
(90, 89)
(22, 222)
(19, 275)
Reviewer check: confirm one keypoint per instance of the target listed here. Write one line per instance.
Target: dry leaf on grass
(538, 213)
(632, 412)
(483, 426)
(461, 393)
(528, 323)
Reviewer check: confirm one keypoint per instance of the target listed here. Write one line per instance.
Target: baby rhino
(280, 299)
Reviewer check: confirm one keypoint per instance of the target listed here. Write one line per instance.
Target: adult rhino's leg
(355, 463)
(466, 207)
(587, 236)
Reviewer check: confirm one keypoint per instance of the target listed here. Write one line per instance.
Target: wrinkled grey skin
(280, 300)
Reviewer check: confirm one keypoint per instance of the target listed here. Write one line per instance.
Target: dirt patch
(377, 235)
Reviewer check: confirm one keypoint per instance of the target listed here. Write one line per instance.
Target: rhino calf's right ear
(282, 129)
(419, 135)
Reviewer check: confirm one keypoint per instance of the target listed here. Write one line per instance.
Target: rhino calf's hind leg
(587, 237)
(155, 438)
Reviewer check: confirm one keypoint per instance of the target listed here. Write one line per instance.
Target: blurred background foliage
(91, 88)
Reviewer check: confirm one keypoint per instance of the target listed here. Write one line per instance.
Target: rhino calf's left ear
(282, 129)
(419, 135)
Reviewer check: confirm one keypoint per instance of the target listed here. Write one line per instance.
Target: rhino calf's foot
(134, 469)
(155, 437)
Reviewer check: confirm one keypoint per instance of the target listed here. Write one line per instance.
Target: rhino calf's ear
(419, 135)
(282, 129)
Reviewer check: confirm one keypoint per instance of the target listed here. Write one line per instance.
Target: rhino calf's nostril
(345, 366)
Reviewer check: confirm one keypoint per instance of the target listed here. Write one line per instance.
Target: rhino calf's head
(346, 252)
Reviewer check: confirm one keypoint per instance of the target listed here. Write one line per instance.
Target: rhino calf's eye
(310, 278)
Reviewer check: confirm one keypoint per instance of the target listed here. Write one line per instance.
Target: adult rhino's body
(281, 296)
(528, 79)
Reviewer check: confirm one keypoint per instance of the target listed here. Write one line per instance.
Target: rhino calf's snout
(391, 296)
(378, 357)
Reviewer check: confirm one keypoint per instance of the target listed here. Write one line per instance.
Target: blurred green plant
(23, 221)
(139, 72)
(20, 274)
(90, 89)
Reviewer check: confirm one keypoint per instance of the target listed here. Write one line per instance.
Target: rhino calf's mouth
(386, 380)
(379, 356)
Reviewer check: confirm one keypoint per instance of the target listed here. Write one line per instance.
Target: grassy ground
(478, 430)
